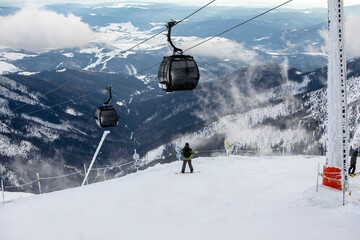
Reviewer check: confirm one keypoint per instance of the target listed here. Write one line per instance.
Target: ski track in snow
(231, 198)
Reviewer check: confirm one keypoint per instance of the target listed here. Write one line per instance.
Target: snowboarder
(186, 152)
(353, 162)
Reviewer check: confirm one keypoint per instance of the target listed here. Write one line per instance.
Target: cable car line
(58, 104)
(115, 57)
(236, 26)
(44, 94)
(180, 72)
(240, 24)
(177, 22)
(227, 30)
(195, 12)
(196, 45)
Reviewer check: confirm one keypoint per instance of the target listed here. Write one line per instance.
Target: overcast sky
(250, 3)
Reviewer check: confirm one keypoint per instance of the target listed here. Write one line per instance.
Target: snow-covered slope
(227, 198)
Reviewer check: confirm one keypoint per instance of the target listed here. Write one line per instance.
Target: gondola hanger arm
(109, 89)
(176, 50)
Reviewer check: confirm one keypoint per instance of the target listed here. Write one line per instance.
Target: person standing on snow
(353, 162)
(186, 152)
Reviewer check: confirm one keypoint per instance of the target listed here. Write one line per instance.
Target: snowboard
(355, 174)
(187, 172)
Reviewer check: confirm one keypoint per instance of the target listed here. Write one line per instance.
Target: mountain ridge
(66, 134)
(269, 81)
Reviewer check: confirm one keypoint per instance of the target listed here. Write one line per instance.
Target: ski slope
(229, 198)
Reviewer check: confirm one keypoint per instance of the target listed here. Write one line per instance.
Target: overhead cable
(45, 94)
(196, 45)
(217, 35)
(238, 25)
(177, 22)
(58, 104)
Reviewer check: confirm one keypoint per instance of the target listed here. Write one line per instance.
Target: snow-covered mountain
(263, 109)
(287, 115)
(255, 90)
(37, 134)
(292, 35)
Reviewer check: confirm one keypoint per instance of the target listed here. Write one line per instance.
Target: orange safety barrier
(332, 177)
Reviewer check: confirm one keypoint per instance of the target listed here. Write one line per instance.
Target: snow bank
(16, 195)
(230, 198)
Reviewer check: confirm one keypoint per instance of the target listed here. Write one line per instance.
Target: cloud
(262, 137)
(353, 36)
(218, 47)
(235, 92)
(33, 28)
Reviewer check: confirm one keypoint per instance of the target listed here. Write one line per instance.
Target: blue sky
(252, 3)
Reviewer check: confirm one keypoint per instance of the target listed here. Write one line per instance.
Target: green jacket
(187, 158)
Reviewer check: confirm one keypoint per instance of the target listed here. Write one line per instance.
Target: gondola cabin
(178, 73)
(106, 115)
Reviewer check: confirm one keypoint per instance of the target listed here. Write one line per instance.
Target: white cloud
(353, 36)
(217, 47)
(34, 28)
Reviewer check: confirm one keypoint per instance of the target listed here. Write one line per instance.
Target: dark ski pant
(184, 166)
(352, 169)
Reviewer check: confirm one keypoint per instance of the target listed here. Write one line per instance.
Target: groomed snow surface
(227, 198)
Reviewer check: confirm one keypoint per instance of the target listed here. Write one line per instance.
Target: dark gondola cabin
(177, 72)
(106, 115)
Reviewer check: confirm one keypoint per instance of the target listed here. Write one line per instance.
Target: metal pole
(87, 182)
(2, 189)
(38, 180)
(95, 155)
(317, 178)
(290, 148)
